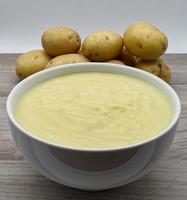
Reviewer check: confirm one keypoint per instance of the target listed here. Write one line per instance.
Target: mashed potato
(93, 110)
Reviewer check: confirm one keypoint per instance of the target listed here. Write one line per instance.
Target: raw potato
(127, 58)
(31, 62)
(145, 41)
(61, 40)
(102, 45)
(157, 67)
(116, 62)
(66, 59)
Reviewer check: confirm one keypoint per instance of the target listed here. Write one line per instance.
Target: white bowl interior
(29, 82)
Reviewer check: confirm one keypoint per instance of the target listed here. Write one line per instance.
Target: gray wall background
(23, 21)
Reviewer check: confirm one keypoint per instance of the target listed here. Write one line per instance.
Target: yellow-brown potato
(66, 59)
(60, 40)
(127, 58)
(116, 62)
(31, 62)
(157, 67)
(145, 41)
(102, 45)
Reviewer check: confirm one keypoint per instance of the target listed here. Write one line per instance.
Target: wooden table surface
(18, 180)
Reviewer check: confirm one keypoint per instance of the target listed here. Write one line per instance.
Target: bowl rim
(16, 88)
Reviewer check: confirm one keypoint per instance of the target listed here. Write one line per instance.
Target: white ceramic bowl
(92, 169)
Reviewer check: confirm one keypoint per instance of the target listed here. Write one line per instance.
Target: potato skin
(66, 59)
(156, 67)
(127, 58)
(60, 40)
(102, 45)
(31, 62)
(145, 41)
(116, 62)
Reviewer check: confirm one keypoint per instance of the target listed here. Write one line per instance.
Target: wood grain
(19, 181)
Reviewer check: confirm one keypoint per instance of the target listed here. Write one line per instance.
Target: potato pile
(141, 46)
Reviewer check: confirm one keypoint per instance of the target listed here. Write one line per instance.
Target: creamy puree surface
(93, 110)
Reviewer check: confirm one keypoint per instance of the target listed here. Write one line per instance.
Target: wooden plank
(177, 63)
(8, 78)
(19, 181)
